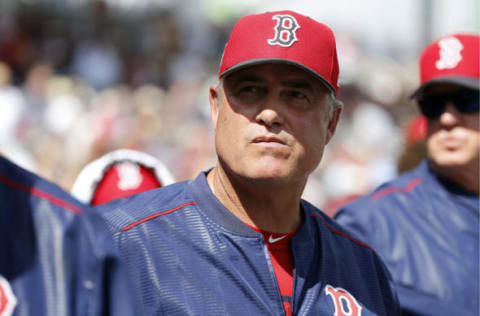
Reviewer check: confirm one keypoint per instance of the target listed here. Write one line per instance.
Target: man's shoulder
(404, 189)
(23, 190)
(378, 213)
(123, 213)
(44, 203)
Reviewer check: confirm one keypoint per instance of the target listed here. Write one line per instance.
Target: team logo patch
(8, 301)
(285, 30)
(129, 176)
(450, 53)
(344, 302)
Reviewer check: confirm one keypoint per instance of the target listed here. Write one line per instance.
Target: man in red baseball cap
(119, 174)
(425, 224)
(238, 239)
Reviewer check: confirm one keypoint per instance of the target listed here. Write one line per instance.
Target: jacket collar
(210, 206)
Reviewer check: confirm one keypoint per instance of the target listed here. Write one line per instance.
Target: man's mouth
(268, 139)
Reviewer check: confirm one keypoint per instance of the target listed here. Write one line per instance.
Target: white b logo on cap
(130, 176)
(450, 48)
(285, 30)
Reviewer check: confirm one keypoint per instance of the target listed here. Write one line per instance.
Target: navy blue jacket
(56, 257)
(188, 255)
(426, 230)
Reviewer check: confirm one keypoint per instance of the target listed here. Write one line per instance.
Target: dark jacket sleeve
(113, 293)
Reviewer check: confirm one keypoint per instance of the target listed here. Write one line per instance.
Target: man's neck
(275, 209)
(467, 177)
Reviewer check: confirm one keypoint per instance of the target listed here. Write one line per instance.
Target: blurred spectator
(12, 105)
(97, 62)
(35, 89)
(12, 111)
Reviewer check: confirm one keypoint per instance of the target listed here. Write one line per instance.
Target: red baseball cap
(451, 59)
(283, 36)
(122, 179)
(119, 174)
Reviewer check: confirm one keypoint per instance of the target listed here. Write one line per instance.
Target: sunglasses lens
(467, 101)
(431, 106)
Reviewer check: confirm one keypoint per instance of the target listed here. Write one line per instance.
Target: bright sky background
(378, 22)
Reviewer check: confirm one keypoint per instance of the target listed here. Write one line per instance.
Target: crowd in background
(77, 84)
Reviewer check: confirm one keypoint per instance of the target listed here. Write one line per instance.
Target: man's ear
(214, 102)
(332, 124)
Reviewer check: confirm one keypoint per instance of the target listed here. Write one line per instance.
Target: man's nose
(451, 116)
(270, 113)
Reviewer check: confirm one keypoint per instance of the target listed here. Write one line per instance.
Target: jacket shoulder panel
(124, 214)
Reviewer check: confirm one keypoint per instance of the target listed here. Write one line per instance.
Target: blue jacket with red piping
(188, 255)
(426, 230)
(56, 256)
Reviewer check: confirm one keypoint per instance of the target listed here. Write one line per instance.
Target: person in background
(119, 174)
(425, 223)
(238, 239)
(56, 256)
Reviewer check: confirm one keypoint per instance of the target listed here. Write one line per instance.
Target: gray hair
(333, 103)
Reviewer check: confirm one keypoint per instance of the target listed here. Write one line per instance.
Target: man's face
(271, 123)
(453, 138)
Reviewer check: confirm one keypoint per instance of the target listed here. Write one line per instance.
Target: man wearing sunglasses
(425, 223)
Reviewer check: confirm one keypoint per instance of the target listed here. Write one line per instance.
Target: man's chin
(268, 175)
(452, 161)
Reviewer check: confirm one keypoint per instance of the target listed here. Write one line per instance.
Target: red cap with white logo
(451, 59)
(119, 174)
(283, 36)
(122, 179)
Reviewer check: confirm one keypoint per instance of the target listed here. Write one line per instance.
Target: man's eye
(251, 89)
(299, 100)
(298, 95)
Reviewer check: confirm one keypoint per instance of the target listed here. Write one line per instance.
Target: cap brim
(258, 61)
(467, 82)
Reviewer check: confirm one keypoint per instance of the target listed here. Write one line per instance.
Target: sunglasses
(465, 101)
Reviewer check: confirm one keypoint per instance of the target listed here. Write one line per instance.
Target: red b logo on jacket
(7, 299)
(344, 302)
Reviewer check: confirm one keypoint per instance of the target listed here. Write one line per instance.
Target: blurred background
(80, 78)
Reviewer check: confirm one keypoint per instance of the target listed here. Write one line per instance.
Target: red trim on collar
(409, 187)
(333, 230)
(146, 219)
